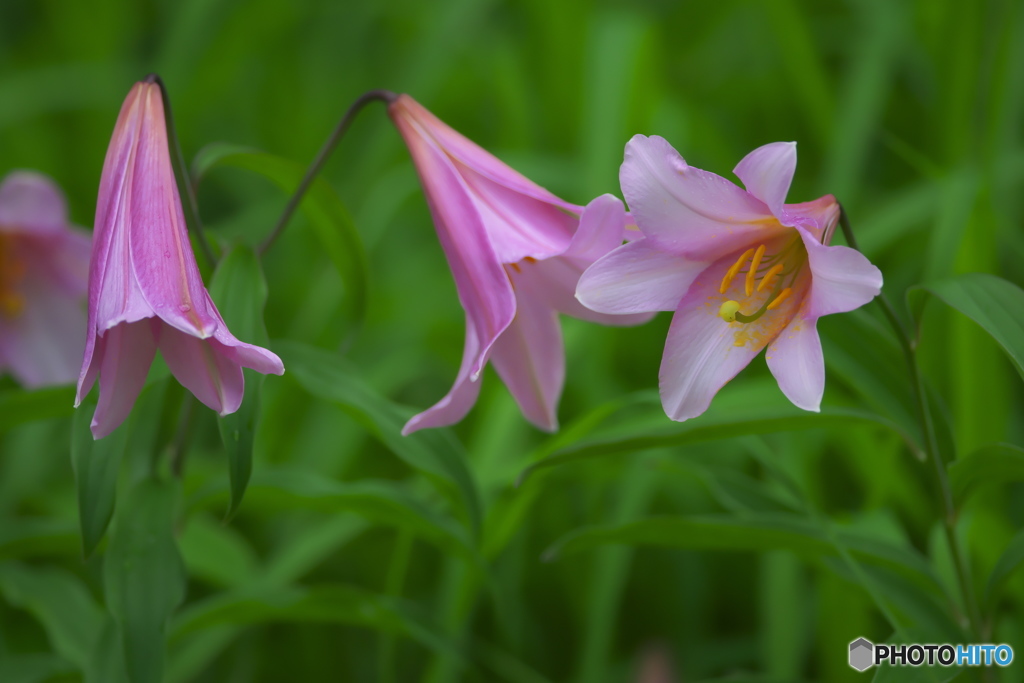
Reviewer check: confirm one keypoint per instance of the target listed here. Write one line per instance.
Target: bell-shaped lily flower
(145, 291)
(516, 252)
(742, 270)
(44, 266)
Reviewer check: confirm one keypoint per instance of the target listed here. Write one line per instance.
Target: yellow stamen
(728, 311)
(766, 281)
(731, 273)
(752, 273)
(783, 295)
(12, 271)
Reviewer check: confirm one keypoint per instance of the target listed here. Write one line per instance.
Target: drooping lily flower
(741, 269)
(516, 252)
(44, 264)
(145, 291)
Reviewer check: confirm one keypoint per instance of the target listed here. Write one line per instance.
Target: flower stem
(385, 96)
(182, 177)
(931, 445)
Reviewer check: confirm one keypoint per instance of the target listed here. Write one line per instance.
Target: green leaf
(327, 216)
(338, 604)
(718, 423)
(766, 531)
(996, 463)
(60, 602)
(379, 501)
(1008, 562)
(881, 378)
(144, 577)
(240, 291)
(437, 452)
(96, 465)
(216, 552)
(992, 302)
(33, 668)
(18, 407)
(31, 537)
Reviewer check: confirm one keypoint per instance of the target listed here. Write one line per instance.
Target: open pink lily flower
(44, 265)
(145, 291)
(516, 252)
(741, 269)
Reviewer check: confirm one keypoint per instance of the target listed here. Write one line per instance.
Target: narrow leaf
(718, 424)
(997, 463)
(379, 501)
(96, 465)
(761, 533)
(1008, 562)
(992, 302)
(144, 577)
(240, 291)
(334, 603)
(60, 602)
(330, 377)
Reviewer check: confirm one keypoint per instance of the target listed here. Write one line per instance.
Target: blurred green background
(909, 112)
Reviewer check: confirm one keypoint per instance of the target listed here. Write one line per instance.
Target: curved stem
(385, 96)
(931, 444)
(181, 172)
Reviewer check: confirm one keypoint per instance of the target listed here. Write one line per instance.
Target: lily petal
(125, 351)
(203, 367)
(703, 352)
(818, 217)
(43, 343)
(601, 228)
(468, 153)
(795, 359)
(31, 203)
(483, 286)
(530, 361)
(161, 254)
(767, 173)
(687, 211)
(843, 278)
(463, 394)
(635, 278)
(517, 225)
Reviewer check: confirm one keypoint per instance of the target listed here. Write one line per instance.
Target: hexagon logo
(861, 654)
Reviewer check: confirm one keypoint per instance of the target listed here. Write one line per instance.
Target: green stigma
(729, 310)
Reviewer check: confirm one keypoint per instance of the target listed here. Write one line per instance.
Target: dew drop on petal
(184, 308)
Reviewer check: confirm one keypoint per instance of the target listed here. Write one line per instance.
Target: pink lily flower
(145, 291)
(741, 269)
(516, 252)
(43, 278)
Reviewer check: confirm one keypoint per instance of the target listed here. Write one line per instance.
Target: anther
(752, 272)
(766, 281)
(783, 295)
(731, 273)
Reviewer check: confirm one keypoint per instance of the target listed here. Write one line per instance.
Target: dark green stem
(182, 177)
(931, 444)
(385, 96)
